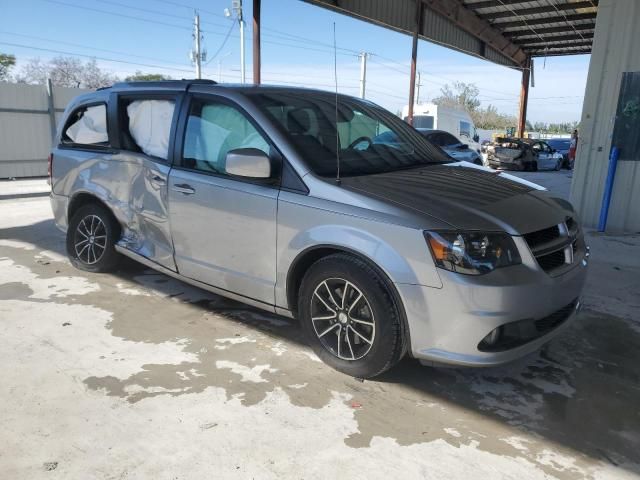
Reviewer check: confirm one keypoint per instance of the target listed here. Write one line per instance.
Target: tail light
(50, 168)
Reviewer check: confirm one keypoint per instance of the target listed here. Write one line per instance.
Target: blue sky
(155, 36)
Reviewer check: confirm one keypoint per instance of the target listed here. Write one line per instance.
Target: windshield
(559, 143)
(368, 138)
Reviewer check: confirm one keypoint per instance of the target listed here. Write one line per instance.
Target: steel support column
(524, 97)
(256, 42)
(414, 55)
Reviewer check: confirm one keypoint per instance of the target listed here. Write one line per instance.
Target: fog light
(493, 338)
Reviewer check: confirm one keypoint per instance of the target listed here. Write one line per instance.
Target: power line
(90, 48)
(224, 42)
(162, 67)
(117, 14)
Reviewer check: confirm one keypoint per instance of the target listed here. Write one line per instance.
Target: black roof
(178, 84)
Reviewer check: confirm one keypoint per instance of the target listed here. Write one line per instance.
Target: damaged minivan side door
(144, 125)
(223, 199)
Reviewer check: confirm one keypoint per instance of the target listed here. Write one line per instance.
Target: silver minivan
(291, 200)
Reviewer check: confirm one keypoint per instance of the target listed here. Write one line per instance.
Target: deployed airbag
(150, 125)
(91, 128)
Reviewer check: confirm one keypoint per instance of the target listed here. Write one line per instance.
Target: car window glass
(422, 121)
(150, 125)
(213, 129)
(88, 126)
(465, 129)
(360, 131)
(322, 130)
(448, 139)
(438, 139)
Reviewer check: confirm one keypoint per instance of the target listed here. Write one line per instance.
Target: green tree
(460, 94)
(146, 77)
(7, 62)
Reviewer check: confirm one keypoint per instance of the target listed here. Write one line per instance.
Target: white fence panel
(25, 127)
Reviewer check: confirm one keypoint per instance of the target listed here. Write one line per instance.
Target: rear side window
(149, 125)
(87, 126)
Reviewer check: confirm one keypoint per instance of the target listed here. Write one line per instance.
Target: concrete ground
(135, 375)
(27, 187)
(558, 182)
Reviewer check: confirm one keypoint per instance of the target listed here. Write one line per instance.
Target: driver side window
(214, 129)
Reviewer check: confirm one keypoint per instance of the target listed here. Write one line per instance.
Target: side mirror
(476, 137)
(248, 162)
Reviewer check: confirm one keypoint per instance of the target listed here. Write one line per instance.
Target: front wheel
(349, 316)
(91, 238)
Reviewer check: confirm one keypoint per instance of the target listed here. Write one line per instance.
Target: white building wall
(25, 127)
(616, 49)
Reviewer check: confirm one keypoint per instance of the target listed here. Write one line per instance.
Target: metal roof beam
(552, 43)
(456, 12)
(517, 34)
(542, 21)
(522, 12)
(545, 39)
(557, 51)
(502, 3)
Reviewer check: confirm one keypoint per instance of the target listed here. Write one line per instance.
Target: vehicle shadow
(580, 392)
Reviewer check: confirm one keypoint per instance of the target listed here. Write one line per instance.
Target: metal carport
(506, 32)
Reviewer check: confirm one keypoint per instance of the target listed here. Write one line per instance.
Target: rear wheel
(349, 316)
(91, 238)
(558, 165)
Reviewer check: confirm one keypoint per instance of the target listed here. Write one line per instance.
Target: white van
(452, 120)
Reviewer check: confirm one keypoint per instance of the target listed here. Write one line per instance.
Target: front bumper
(447, 324)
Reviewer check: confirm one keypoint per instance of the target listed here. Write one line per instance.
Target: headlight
(472, 253)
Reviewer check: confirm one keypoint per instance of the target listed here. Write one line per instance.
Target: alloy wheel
(342, 319)
(90, 239)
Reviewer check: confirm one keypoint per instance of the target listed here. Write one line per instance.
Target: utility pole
(418, 85)
(197, 55)
(363, 73)
(236, 6)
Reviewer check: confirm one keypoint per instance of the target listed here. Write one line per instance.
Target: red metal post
(256, 42)
(414, 55)
(524, 98)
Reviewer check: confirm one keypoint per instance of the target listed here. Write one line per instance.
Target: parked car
(512, 154)
(547, 157)
(280, 198)
(451, 145)
(456, 121)
(561, 145)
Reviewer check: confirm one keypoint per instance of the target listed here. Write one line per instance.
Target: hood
(466, 197)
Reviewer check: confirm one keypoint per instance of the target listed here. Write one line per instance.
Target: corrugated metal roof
(502, 31)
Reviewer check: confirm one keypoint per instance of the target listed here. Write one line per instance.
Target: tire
(91, 236)
(365, 347)
(558, 165)
(534, 166)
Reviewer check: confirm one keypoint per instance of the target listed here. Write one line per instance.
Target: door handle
(158, 180)
(184, 188)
